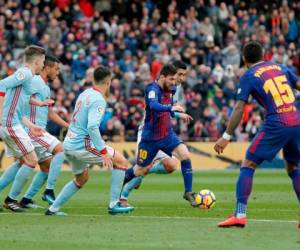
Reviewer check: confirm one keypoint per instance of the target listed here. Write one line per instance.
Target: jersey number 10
(280, 90)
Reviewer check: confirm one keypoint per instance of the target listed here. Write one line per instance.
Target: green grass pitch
(162, 220)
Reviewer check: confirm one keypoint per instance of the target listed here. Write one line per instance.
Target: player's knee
(82, 179)
(31, 161)
(170, 165)
(58, 149)
(290, 166)
(249, 164)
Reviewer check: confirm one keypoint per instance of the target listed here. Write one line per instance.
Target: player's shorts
(81, 159)
(270, 140)
(147, 149)
(160, 154)
(44, 145)
(18, 142)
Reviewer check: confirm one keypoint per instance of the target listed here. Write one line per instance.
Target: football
(205, 199)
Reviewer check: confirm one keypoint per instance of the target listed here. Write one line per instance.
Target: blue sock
(9, 175)
(116, 183)
(158, 169)
(129, 175)
(187, 173)
(20, 181)
(65, 194)
(295, 176)
(38, 181)
(128, 187)
(54, 171)
(243, 190)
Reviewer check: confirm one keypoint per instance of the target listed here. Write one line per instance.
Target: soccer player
(83, 145)
(157, 132)
(48, 148)
(17, 90)
(271, 85)
(162, 162)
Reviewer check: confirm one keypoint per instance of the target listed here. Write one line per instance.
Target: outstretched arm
(233, 123)
(56, 118)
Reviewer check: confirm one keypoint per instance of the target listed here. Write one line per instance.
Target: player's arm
(235, 120)
(96, 112)
(35, 130)
(292, 77)
(47, 102)
(56, 118)
(16, 79)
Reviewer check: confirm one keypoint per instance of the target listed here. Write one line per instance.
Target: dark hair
(32, 51)
(100, 74)
(252, 52)
(179, 65)
(168, 70)
(50, 61)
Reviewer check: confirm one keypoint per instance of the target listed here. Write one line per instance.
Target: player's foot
(28, 203)
(57, 213)
(12, 205)
(190, 197)
(124, 203)
(49, 196)
(120, 209)
(233, 221)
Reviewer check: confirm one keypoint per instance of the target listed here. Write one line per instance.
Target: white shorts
(44, 145)
(18, 142)
(160, 154)
(81, 159)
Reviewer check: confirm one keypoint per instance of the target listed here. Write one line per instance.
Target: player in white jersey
(48, 148)
(15, 96)
(162, 163)
(83, 145)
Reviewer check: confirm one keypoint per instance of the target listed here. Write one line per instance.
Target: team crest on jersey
(20, 76)
(239, 90)
(100, 111)
(151, 94)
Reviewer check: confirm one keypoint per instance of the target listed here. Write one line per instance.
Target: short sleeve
(291, 76)
(244, 89)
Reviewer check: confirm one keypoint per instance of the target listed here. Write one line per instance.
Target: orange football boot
(233, 221)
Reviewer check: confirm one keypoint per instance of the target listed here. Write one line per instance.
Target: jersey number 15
(280, 90)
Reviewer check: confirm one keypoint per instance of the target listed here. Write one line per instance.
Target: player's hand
(37, 131)
(185, 117)
(48, 102)
(107, 162)
(178, 108)
(220, 145)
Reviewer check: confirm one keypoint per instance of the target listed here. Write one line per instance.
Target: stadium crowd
(136, 37)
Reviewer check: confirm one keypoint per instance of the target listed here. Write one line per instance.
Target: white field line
(151, 217)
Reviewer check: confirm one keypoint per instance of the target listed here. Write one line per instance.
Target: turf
(162, 220)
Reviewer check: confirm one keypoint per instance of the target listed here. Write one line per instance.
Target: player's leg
(117, 178)
(29, 162)
(69, 190)
(9, 174)
(54, 171)
(265, 146)
(38, 181)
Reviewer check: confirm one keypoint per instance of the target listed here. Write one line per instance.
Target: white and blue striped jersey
(17, 89)
(88, 113)
(40, 91)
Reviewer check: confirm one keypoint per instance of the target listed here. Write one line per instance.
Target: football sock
(38, 181)
(54, 171)
(158, 169)
(243, 190)
(116, 183)
(20, 180)
(128, 187)
(65, 194)
(9, 175)
(129, 175)
(295, 176)
(187, 173)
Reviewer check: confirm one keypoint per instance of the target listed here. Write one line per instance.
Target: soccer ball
(205, 199)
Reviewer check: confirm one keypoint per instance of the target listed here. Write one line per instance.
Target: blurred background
(135, 38)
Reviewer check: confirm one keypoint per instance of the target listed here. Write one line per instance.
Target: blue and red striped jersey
(158, 112)
(272, 86)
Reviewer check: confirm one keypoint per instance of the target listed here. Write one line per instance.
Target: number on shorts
(143, 154)
(280, 90)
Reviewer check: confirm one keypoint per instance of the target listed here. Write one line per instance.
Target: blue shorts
(270, 140)
(148, 149)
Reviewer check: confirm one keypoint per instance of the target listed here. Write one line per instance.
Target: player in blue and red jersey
(157, 132)
(271, 85)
